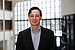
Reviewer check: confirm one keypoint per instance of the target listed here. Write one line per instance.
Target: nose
(34, 17)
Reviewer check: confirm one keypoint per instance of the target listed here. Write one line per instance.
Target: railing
(68, 32)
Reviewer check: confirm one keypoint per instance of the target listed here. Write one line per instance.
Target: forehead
(35, 12)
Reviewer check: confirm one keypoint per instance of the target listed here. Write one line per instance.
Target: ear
(28, 17)
(41, 18)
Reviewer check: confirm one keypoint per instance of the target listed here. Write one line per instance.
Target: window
(50, 10)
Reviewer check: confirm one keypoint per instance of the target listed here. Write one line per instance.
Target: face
(35, 18)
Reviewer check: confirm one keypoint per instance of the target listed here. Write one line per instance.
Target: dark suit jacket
(47, 40)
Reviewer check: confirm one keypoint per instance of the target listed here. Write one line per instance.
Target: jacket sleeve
(19, 42)
(53, 42)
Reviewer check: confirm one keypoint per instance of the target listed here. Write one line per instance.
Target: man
(36, 37)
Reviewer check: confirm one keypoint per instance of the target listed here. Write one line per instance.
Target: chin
(34, 24)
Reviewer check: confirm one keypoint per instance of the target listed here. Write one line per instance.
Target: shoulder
(47, 30)
(26, 31)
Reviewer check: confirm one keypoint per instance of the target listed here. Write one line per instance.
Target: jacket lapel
(30, 39)
(41, 38)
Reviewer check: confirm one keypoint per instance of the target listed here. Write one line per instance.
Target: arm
(19, 42)
(53, 42)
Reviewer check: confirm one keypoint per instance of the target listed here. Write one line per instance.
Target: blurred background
(58, 15)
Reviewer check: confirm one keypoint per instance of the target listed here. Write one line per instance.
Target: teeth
(34, 21)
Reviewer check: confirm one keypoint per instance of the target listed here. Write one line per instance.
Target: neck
(35, 28)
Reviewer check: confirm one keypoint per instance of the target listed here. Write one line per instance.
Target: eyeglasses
(36, 15)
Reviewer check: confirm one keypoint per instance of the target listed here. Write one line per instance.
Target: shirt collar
(38, 28)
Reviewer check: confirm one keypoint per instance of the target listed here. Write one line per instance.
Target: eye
(37, 15)
(31, 15)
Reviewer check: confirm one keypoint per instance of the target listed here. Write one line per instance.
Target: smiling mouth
(34, 21)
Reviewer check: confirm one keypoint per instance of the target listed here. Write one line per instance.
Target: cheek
(29, 19)
(39, 18)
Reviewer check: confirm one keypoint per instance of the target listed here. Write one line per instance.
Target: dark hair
(34, 8)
